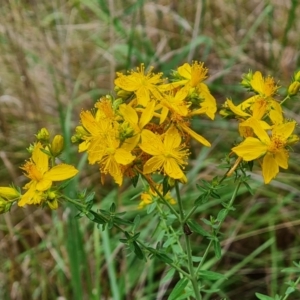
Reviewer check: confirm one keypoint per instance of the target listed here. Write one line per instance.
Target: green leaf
(151, 207)
(290, 290)
(248, 187)
(112, 208)
(169, 275)
(178, 289)
(207, 222)
(215, 195)
(217, 249)
(202, 199)
(290, 270)
(90, 197)
(90, 216)
(197, 228)
(201, 188)
(209, 275)
(263, 297)
(135, 180)
(118, 220)
(165, 258)
(138, 251)
(96, 218)
(166, 186)
(222, 215)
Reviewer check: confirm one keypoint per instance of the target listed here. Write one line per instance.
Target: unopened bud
(57, 145)
(4, 206)
(246, 80)
(9, 194)
(43, 135)
(294, 88)
(53, 204)
(297, 76)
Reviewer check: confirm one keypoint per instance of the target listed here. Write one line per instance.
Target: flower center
(277, 143)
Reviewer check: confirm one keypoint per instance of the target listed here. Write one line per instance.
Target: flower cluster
(266, 133)
(42, 171)
(146, 128)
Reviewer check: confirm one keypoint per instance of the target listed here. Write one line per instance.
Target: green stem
(83, 206)
(296, 284)
(172, 209)
(193, 277)
(216, 230)
(286, 98)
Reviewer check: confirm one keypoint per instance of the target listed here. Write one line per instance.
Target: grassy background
(58, 57)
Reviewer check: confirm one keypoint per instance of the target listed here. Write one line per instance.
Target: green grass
(58, 58)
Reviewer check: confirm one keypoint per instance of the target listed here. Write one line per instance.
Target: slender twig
(193, 277)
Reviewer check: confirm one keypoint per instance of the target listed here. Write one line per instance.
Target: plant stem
(172, 209)
(193, 276)
(82, 207)
(217, 229)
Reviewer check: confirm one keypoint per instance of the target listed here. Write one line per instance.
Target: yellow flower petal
(40, 158)
(172, 169)
(151, 143)
(147, 114)
(250, 149)
(269, 167)
(129, 114)
(60, 172)
(284, 130)
(281, 158)
(43, 185)
(32, 196)
(172, 138)
(195, 135)
(153, 164)
(124, 157)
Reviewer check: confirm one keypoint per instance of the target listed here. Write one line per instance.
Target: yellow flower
(111, 155)
(191, 77)
(144, 85)
(95, 128)
(209, 105)
(174, 103)
(137, 123)
(150, 196)
(273, 148)
(193, 74)
(168, 154)
(42, 176)
(265, 87)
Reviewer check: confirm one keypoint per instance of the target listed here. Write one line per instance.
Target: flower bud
(246, 80)
(43, 135)
(294, 88)
(9, 194)
(53, 204)
(297, 76)
(4, 206)
(57, 145)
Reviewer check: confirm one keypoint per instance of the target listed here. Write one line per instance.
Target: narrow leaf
(178, 289)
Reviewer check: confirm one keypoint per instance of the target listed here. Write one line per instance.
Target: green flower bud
(297, 76)
(4, 206)
(246, 79)
(43, 135)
